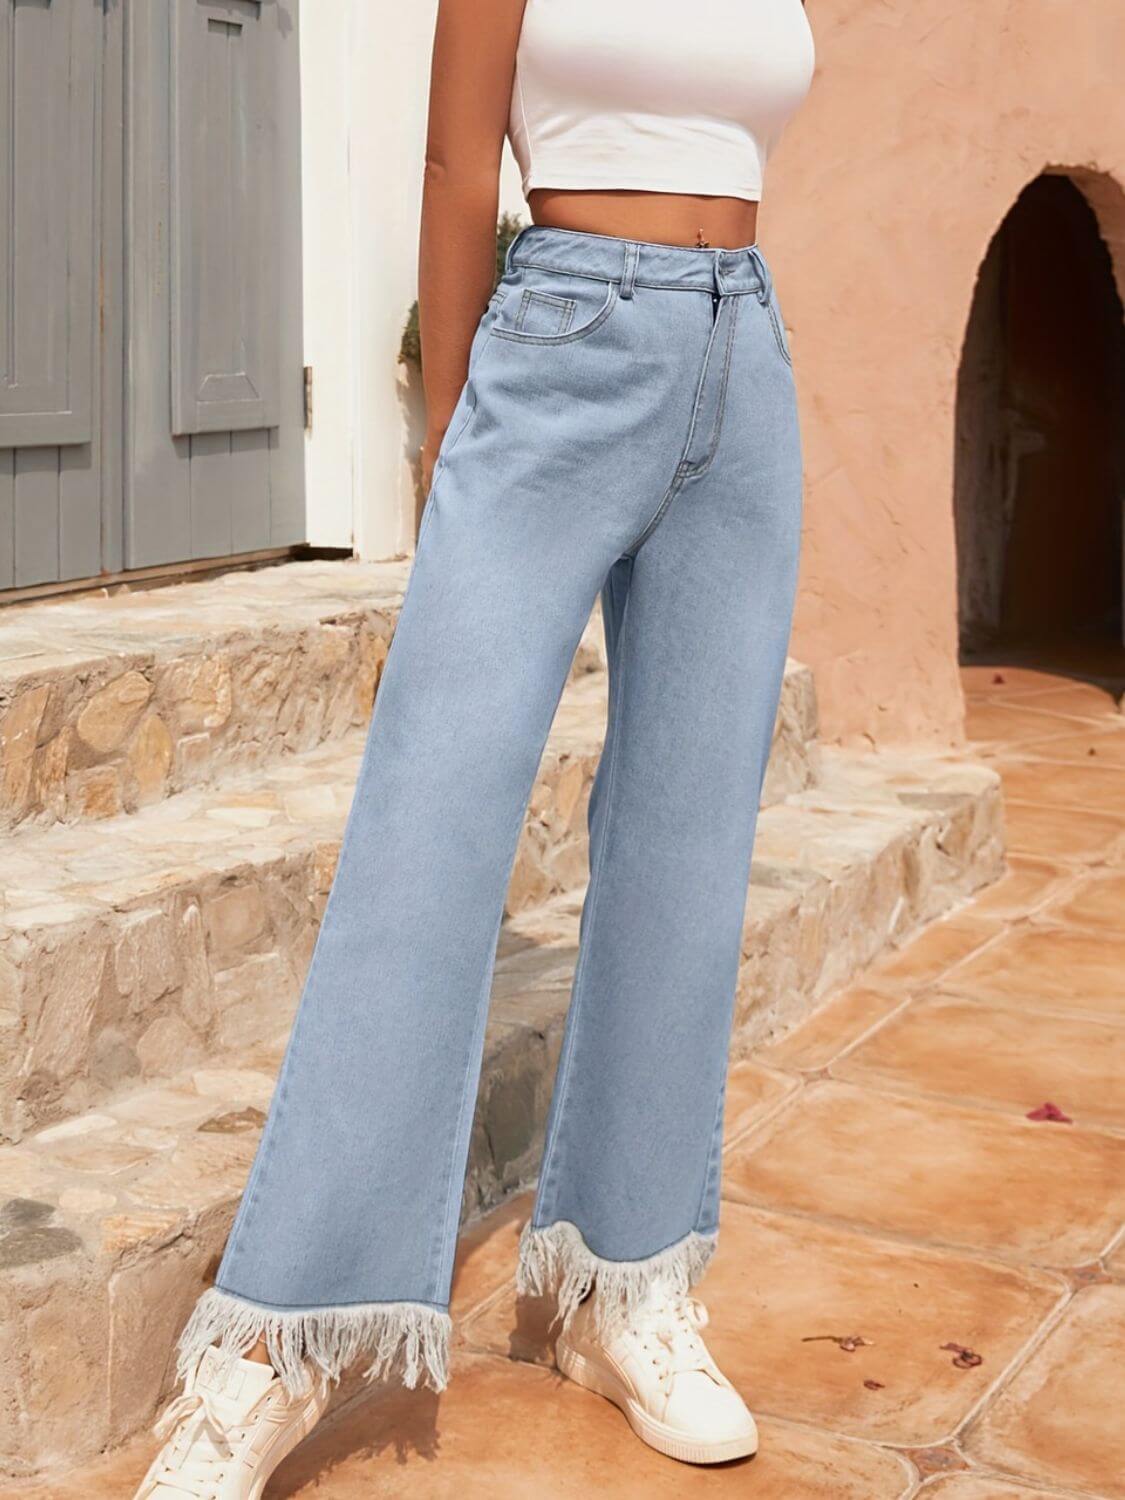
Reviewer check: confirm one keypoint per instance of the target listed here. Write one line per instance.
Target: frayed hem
(406, 1341)
(555, 1260)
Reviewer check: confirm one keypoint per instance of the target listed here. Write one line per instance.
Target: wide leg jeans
(628, 428)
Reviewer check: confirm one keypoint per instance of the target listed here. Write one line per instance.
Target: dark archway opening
(1040, 445)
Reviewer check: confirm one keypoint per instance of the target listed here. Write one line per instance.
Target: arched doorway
(1040, 445)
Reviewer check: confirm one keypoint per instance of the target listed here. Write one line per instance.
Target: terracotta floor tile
(956, 1176)
(985, 1487)
(833, 1027)
(981, 681)
(981, 1053)
(1061, 784)
(988, 720)
(487, 1254)
(777, 1281)
(504, 1430)
(936, 949)
(522, 1329)
(111, 1478)
(1061, 832)
(1083, 699)
(801, 1462)
(1028, 884)
(1059, 1420)
(1108, 747)
(1099, 903)
(1052, 968)
(752, 1092)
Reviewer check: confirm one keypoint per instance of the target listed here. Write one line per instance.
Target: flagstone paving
(920, 1288)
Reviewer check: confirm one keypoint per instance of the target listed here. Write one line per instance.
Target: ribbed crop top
(674, 96)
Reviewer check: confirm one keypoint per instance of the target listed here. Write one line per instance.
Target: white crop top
(673, 96)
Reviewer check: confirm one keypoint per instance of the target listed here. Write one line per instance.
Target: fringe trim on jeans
(407, 1341)
(556, 1260)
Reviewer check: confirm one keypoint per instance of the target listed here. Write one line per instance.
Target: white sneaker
(229, 1431)
(657, 1369)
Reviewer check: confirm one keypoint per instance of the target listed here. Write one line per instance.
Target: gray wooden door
(151, 397)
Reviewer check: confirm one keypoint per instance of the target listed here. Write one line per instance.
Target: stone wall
(126, 732)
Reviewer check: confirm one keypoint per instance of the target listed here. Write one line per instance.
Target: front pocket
(543, 314)
(542, 307)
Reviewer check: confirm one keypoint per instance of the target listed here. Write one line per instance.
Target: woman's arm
(470, 90)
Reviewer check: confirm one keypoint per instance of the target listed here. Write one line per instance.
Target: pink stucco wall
(926, 120)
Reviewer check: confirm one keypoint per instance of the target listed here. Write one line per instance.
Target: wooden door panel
(48, 57)
(225, 197)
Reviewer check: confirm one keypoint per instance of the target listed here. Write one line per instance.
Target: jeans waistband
(640, 263)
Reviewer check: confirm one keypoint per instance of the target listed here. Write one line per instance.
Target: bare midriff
(662, 218)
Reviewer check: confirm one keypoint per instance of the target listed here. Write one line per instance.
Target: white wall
(364, 83)
(326, 222)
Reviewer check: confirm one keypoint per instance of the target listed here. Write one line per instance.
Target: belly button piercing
(700, 242)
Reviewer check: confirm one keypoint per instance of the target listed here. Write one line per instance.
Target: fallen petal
(1049, 1111)
(967, 1359)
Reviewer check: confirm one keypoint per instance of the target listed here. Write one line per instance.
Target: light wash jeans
(628, 426)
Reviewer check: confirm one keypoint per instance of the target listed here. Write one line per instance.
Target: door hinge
(308, 398)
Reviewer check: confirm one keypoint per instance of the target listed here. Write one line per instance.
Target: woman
(620, 420)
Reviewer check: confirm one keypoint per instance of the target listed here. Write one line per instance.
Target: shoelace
(199, 1473)
(674, 1325)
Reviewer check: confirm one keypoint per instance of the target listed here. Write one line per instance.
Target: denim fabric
(628, 427)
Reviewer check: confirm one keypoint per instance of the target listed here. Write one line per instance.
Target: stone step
(112, 1222)
(134, 945)
(131, 947)
(111, 702)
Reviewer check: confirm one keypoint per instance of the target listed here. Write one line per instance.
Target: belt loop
(629, 271)
(509, 254)
(764, 284)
